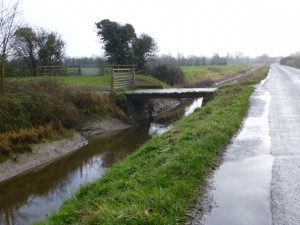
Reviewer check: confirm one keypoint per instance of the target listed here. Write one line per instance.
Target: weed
(19, 141)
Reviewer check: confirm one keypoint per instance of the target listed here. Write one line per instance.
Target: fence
(122, 78)
(106, 69)
(24, 71)
(52, 70)
(85, 70)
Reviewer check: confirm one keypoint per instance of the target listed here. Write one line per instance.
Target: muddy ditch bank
(45, 153)
(41, 155)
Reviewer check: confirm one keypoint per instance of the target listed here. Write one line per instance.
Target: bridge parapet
(171, 93)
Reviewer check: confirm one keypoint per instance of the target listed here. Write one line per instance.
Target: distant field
(92, 82)
(90, 71)
(194, 74)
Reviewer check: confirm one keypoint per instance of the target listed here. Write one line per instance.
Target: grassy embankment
(32, 111)
(159, 182)
(35, 108)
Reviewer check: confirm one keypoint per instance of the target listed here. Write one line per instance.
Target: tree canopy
(122, 46)
(38, 48)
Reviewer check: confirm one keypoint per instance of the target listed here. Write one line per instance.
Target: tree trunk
(2, 73)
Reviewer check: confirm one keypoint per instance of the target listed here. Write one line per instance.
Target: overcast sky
(190, 27)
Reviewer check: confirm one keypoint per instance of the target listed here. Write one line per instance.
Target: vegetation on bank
(158, 183)
(35, 108)
(31, 111)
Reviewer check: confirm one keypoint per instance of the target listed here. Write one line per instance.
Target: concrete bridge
(171, 93)
(139, 104)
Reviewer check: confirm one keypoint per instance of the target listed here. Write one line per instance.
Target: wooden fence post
(79, 70)
(112, 80)
(133, 76)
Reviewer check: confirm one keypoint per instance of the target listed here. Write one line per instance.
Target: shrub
(169, 74)
(35, 103)
(27, 109)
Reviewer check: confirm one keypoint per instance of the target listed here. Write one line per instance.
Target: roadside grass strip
(160, 182)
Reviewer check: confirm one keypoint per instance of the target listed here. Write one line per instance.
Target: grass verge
(158, 183)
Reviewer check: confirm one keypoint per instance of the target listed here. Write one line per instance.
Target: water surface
(33, 196)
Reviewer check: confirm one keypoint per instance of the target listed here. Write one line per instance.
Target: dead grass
(19, 141)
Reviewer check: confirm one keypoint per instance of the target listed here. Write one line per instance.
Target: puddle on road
(242, 194)
(240, 188)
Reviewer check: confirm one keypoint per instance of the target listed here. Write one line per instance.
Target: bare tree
(8, 26)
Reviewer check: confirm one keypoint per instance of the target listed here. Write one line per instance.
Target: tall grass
(27, 108)
(19, 141)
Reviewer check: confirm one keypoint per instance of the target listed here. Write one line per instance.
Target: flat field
(93, 82)
(195, 74)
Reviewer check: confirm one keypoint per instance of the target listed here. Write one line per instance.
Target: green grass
(92, 82)
(87, 71)
(194, 74)
(87, 82)
(158, 183)
(149, 81)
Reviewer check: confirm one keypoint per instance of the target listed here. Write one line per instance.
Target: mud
(45, 153)
(41, 156)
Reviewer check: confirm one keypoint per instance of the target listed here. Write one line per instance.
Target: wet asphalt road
(284, 87)
(258, 182)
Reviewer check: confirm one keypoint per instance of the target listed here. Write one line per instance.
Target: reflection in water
(191, 108)
(157, 129)
(242, 195)
(165, 120)
(33, 196)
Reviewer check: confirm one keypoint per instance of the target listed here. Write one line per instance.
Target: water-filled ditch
(33, 196)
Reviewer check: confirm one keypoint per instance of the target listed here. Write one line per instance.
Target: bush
(31, 111)
(25, 105)
(168, 74)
